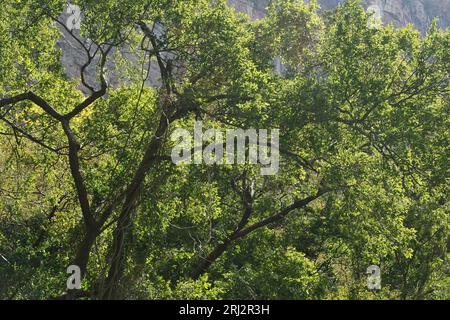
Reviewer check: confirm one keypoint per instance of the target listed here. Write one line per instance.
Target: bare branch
(165, 75)
(97, 94)
(36, 100)
(32, 138)
(278, 216)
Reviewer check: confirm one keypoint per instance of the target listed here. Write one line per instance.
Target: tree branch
(97, 94)
(36, 100)
(165, 75)
(78, 178)
(205, 263)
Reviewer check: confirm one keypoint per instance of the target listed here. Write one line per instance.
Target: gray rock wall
(400, 12)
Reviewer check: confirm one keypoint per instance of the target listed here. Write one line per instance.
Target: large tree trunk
(81, 260)
(110, 290)
(82, 255)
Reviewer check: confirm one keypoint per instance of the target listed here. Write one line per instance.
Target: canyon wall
(420, 13)
(400, 12)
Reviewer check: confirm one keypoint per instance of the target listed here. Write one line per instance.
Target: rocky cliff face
(400, 12)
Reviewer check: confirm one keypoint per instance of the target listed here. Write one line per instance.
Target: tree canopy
(86, 177)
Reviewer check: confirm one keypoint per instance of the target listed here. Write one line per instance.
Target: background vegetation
(86, 176)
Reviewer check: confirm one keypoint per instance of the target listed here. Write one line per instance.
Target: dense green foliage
(86, 176)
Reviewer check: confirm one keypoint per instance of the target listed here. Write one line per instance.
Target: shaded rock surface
(420, 13)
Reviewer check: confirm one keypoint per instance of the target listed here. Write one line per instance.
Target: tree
(87, 177)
